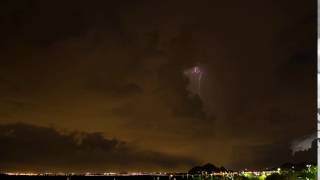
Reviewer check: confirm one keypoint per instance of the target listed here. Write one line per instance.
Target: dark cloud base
(29, 147)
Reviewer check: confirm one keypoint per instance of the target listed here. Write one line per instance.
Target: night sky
(106, 85)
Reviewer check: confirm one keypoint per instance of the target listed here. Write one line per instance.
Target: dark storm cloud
(190, 107)
(258, 156)
(117, 90)
(271, 76)
(26, 146)
(44, 23)
(11, 100)
(117, 67)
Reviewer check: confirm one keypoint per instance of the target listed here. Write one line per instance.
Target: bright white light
(318, 52)
(196, 70)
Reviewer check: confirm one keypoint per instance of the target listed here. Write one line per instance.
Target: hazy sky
(97, 85)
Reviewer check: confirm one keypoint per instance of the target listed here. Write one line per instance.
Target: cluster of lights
(21, 174)
(85, 174)
(246, 173)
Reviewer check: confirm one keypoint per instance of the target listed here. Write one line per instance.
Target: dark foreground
(98, 177)
(271, 177)
(307, 173)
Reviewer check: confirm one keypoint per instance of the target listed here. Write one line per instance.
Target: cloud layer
(36, 148)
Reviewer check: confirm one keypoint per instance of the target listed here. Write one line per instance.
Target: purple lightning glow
(194, 74)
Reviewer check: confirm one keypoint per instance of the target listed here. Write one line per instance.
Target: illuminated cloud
(194, 76)
(303, 144)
